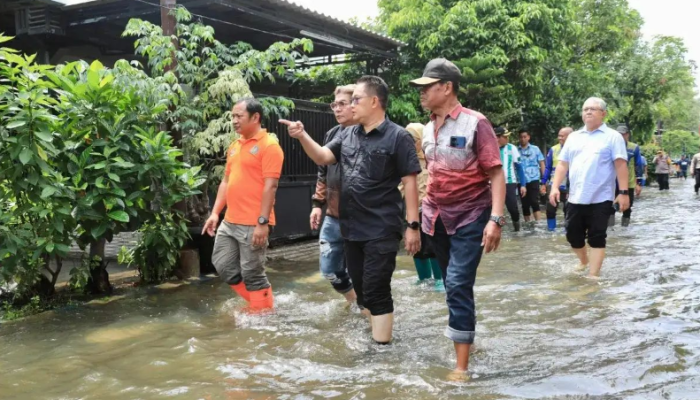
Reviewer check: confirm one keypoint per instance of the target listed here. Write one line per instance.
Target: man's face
(342, 109)
(363, 103)
(563, 134)
(592, 114)
(243, 123)
(502, 140)
(524, 139)
(434, 95)
(626, 136)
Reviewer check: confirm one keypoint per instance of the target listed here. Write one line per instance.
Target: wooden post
(188, 265)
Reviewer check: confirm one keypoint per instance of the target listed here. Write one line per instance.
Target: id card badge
(458, 142)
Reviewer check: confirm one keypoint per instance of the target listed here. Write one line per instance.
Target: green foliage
(533, 63)
(8, 312)
(35, 201)
(81, 159)
(677, 143)
(158, 250)
(212, 77)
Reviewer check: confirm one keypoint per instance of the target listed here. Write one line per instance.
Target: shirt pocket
(378, 162)
(348, 155)
(455, 159)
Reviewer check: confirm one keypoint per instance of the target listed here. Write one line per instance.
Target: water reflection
(544, 331)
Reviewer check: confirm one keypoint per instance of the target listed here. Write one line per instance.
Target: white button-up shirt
(591, 157)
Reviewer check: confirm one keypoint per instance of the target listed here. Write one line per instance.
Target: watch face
(502, 221)
(262, 221)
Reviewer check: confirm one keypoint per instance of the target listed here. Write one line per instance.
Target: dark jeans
(663, 181)
(512, 194)
(552, 211)
(697, 180)
(459, 256)
(627, 213)
(371, 264)
(588, 221)
(532, 199)
(683, 174)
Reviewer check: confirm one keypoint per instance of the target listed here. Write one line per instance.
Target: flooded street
(543, 331)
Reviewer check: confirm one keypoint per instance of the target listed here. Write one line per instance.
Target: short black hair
(499, 130)
(378, 88)
(252, 106)
(455, 87)
(523, 130)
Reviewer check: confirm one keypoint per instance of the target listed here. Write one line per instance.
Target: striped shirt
(510, 156)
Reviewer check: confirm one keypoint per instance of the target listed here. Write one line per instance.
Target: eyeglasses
(587, 109)
(356, 99)
(338, 104)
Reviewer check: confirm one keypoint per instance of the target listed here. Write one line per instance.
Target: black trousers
(532, 199)
(697, 180)
(512, 194)
(663, 181)
(588, 221)
(370, 265)
(552, 211)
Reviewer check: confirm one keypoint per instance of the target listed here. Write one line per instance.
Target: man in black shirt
(375, 157)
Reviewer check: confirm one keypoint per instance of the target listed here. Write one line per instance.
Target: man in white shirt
(593, 157)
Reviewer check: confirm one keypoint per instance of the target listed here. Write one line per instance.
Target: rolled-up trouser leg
(463, 253)
(332, 256)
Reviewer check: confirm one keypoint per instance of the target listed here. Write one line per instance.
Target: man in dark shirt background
(331, 255)
(375, 157)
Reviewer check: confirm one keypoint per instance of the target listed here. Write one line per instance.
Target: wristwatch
(499, 220)
(263, 221)
(625, 192)
(415, 225)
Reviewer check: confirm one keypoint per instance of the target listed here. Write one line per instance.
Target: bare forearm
(411, 190)
(560, 173)
(498, 190)
(542, 168)
(622, 174)
(220, 202)
(268, 197)
(319, 154)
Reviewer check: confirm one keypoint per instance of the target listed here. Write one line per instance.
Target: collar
(261, 133)
(601, 128)
(454, 114)
(381, 128)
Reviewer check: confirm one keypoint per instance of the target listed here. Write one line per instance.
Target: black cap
(437, 70)
(501, 131)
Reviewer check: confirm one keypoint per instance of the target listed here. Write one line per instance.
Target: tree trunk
(99, 278)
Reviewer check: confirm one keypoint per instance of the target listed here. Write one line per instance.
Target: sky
(667, 17)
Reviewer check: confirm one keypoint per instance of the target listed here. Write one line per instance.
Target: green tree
(36, 225)
(123, 170)
(211, 78)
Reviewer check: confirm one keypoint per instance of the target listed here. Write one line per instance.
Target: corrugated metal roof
(290, 4)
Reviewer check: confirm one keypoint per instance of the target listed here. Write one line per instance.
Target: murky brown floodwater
(544, 332)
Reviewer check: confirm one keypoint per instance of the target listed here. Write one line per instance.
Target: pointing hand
(295, 129)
